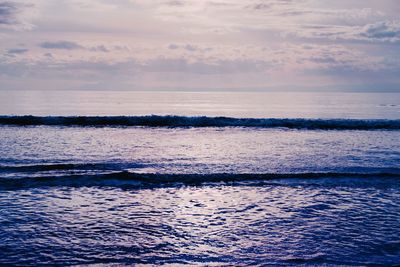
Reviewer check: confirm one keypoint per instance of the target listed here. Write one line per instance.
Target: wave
(67, 167)
(151, 180)
(201, 121)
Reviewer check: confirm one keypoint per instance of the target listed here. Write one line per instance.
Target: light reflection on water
(246, 225)
(239, 104)
(205, 150)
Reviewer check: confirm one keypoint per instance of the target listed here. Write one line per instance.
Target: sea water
(199, 178)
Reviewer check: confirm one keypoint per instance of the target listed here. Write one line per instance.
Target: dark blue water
(348, 222)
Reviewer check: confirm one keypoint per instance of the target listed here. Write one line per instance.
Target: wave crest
(201, 121)
(151, 180)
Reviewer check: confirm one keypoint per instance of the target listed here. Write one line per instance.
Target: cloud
(17, 51)
(69, 45)
(206, 60)
(266, 5)
(258, 40)
(173, 46)
(203, 67)
(13, 15)
(222, 67)
(187, 47)
(8, 12)
(100, 48)
(65, 45)
(190, 47)
(383, 30)
(175, 3)
(301, 18)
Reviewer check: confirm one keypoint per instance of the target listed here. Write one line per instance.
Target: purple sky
(200, 45)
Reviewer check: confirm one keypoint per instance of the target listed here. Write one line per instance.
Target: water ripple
(208, 225)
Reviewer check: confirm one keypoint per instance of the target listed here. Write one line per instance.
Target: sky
(230, 45)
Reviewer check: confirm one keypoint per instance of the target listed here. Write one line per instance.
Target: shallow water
(280, 224)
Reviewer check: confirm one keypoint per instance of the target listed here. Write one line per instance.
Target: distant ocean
(200, 178)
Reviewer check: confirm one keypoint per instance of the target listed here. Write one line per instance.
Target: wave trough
(201, 121)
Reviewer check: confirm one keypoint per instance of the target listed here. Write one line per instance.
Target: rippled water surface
(318, 190)
(194, 150)
(345, 222)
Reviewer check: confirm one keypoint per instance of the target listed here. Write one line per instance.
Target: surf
(172, 121)
(154, 180)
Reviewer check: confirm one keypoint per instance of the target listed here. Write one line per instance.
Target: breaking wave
(151, 180)
(201, 121)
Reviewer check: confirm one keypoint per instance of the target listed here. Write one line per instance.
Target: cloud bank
(202, 45)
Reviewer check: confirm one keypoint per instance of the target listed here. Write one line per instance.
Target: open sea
(199, 178)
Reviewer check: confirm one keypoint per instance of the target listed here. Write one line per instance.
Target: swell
(150, 180)
(201, 121)
(67, 167)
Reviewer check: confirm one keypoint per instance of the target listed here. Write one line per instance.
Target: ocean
(199, 178)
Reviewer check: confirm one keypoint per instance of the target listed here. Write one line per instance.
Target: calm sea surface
(319, 185)
(256, 105)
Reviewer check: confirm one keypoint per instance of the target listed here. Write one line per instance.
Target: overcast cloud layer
(200, 45)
